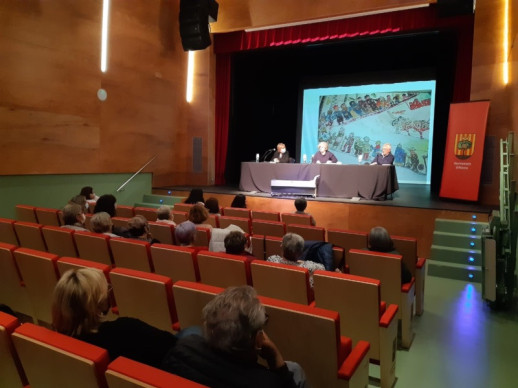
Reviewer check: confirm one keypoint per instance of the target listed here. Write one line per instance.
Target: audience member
(292, 248)
(212, 205)
(164, 215)
(300, 205)
(323, 155)
(379, 240)
(138, 229)
(195, 196)
(234, 337)
(74, 217)
(184, 234)
(89, 194)
(80, 306)
(106, 203)
(102, 223)
(236, 243)
(239, 201)
(199, 216)
(81, 201)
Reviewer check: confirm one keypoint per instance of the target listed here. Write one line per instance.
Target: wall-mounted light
(190, 77)
(104, 35)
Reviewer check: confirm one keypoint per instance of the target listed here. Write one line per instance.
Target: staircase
(457, 250)
(155, 201)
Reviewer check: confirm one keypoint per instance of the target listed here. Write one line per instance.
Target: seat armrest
(389, 315)
(408, 286)
(351, 363)
(421, 261)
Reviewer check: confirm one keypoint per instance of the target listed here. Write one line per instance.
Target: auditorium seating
(308, 232)
(67, 263)
(126, 373)
(257, 243)
(298, 219)
(175, 262)
(179, 217)
(149, 213)
(120, 222)
(11, 371)
(347, 239)
(243, 223)
(13, 292)
(133, 254)
(213, 221)
(281, 281)
(26, 213)
(357, 300)
(202, 237)
(223, 270)
(387, 268)
(47, 216)
(182, 207)
(266, 216)
(7, 233)
(29, 235)
(93, 246)
(162, 231)
(236, 212)
(52, 359)
(39, 273)
(190, 298)
(146, 296)
(268, 228)
(124, 211)
(60, 241)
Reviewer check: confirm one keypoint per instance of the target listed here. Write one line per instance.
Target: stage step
(448, 254)
(460, 226)
(457, 272)
(457, 240)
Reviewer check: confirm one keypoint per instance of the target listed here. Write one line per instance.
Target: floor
(459, 341)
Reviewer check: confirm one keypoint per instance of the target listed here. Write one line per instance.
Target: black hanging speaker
(194, 19)
(448, 8)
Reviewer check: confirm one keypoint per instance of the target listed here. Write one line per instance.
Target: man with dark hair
(236, 243)
(300, 205)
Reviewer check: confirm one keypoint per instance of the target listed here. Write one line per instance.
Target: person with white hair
(386, 157)
(323, 155)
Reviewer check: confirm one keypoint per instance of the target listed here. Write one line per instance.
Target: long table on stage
(336, 180)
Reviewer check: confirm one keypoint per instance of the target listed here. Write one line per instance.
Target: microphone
(272, 149)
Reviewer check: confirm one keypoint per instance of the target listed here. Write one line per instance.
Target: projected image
(357, 121)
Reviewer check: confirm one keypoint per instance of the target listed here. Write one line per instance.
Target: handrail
(134, 175)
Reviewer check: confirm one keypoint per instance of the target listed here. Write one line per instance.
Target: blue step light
(471, 259)
(472, 244)
(470, 275)
(161, 201)
(169, 192)
(474, 216)
(473, 229)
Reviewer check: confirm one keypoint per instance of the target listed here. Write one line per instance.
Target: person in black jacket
(281, 155)
(226, 355)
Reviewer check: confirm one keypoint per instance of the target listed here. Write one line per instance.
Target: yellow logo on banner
(464, 145)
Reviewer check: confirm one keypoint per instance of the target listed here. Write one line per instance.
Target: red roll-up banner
(464, 150)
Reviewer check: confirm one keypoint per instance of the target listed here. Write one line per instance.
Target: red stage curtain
(391, 22)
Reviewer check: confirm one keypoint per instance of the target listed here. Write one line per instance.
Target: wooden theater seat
(124, 211)
(243, 223)
(162, 231)
(190, 298)
(146, 296)
(236, 212)
(149, 213)
(347, 239)
(13, 292)
(268, 228)
(67, 263)
(357, 300)
(26, 213)
(328, 358)
(308, 232)
(52, 359)
(175, 262)
(407, 247)
(257, 242)
(11, 371)
(94, 246)
(272, 246)
(126, 373)
(47, 216)
(202, 237)
(39, 273)
(120, 222)
(129, 253)
(387, 268)
(60, 241)
(7, 233)
(182, 207)
(297, 219)
(281, 281)
(265, 216)
(223, 270)
(179, 216)
(30, 235)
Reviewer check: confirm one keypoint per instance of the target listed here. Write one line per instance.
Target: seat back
(236, 212)
(272, 246)
(281, 281)
(52, 359)
(190, 299)
(26, 213)
(257, 241)
(40, 275)
(202, 237)
(124, 211)
(243, 223)
(7, 233)
(182, 207)
(162, 231)
(146, 296)
(149, 213)
(133, 254)
(223, 270)
(179, 217)
(120, 222)
(326, 358)
(60, 241)
(265, 216)
(347, 239)
(11, 371)
(268, 228)
(298, 219)
(213, 220)
(308, 233)
(67, 263)
(93, 246)
(175, 262)
(126, 373)
(407, 247)
(12, 291)
(29, 235)
(47, 216)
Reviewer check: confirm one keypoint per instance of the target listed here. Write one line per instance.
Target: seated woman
(236, 243)
(164, 215)
(74, 217)
(234, 338)
(88, 193)
(379, 240)
(80, 305)
(323, 155)
(292, 248)
(81, 201)
(239, 201)
(195, 196)
(102, 223)
(106, 203)
(184, 235)
(281, 155)
(212, 205)
(199, 216)
(138, 229)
